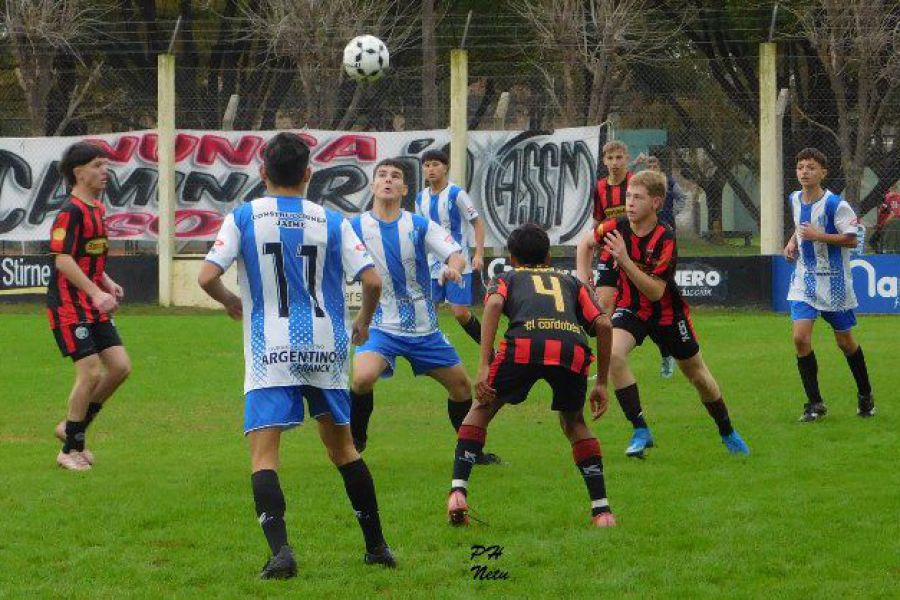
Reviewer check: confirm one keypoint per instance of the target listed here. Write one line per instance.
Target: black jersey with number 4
(548, 312)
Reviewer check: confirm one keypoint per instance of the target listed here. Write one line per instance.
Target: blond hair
(653, 181)
(614, 145)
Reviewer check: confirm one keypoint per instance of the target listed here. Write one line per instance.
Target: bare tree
(39, 31)
(858, 43)
(312, 35)
(429, 66)
(591, 42)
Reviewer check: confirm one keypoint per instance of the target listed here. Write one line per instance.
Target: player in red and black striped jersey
(637, 274)
(80, 299)
(548, 314)
(609, 192)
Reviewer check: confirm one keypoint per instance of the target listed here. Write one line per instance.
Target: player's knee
(572, 424)
(802, 342)
(362, 382)
(846, 343)
(461, 390)
(461, 313)
(618, 361)
(121, 370)
(89, 376)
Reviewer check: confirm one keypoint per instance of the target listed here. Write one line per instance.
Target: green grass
(167, 511)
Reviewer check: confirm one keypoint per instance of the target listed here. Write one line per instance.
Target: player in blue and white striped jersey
(826, 229)
(405, 323)
(449, 206)
(293, 258)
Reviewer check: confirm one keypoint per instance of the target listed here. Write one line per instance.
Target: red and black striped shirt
(548, 313)
(80, 232)
(655, 254)
(609, 200)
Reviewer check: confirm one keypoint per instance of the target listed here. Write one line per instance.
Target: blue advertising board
(876, 278)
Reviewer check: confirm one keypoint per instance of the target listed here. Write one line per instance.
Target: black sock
(719, 413)
(457, 411)
(469, 446)
(630, 402)
(361, 407)
(74, 436)
(270, 507)
(590, 464)
(92, 410)
(857, 362)
(361, 491)
(809, 375)
(473, 328)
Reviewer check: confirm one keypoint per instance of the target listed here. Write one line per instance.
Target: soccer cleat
(281, 566)
(667, 367)
(813, 411)
(604, 519)
(640, 441)
(735, 444)
(60, 433)
(381, 556)
(865, 406)
(488, 458)
(458, 508)
(360, 445)
(72, 461)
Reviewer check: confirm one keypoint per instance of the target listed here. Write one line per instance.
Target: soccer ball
(365, 58)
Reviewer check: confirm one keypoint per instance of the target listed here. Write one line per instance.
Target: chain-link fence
(692, 107)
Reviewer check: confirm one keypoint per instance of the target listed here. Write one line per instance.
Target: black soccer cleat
(813, 411)
(281, 566)
(488, 458)
(865, 406)
(360, 445)
(381, 556)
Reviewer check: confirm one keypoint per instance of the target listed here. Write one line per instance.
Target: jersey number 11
(276, 249)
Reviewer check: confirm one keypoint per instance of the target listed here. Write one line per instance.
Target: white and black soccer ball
(366, 58)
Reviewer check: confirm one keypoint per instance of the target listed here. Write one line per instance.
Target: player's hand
(104, 302)
(477, 262)
(790, 251)
(599, 401)
(116, 290)
(360, 332)
(484, 393)
(450, 274)
(234, 308)
(808, 232)
(614, 243)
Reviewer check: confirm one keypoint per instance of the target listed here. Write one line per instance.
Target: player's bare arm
(101, 299)
(584, 258)
(599, 398)
(807, 231)
(790, 249)
(651, 286)
(478, 257)
(210, 279)
(371, 294)
(455, 266)
(490, 321)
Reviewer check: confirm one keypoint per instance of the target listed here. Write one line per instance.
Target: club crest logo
(81, 332)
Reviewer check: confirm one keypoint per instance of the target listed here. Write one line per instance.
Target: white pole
(230, 112)
(459, 95)
(771, 214)
(166, 199)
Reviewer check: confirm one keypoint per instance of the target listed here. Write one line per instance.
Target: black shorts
(677, 340)
(513, 382)
(84, 339)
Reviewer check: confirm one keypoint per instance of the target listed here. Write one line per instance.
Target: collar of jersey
(550, 268)
(285, 197)
(825, 193)
(388, 223)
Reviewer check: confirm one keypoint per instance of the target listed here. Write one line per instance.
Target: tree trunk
(430, 107)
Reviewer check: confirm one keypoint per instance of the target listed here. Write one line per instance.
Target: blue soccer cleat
(735, 444)
(640, 441)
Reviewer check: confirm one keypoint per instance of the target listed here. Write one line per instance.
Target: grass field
(167, 511)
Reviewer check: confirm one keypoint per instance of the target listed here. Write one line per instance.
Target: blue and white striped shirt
(452, 209)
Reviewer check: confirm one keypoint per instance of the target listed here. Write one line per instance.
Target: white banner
(515, 177)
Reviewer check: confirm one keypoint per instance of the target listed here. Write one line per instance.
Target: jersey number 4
(554, 290)
(276, 249)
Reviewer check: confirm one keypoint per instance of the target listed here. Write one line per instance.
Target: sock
(270, 507)
(857, 362)
(719, 413)
(92, 410)
(473, 328)
(809, 375)
(630, 402)
(589, 461)
(361, 407)
(74, 436)
(361, 491)
(457, 411)
(469, 447)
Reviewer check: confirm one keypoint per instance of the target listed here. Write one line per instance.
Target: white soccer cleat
(73, 461)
